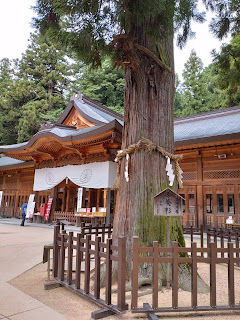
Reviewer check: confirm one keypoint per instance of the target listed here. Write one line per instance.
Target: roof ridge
(208, 115)
(101, 107)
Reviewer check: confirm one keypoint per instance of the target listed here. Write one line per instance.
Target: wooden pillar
(64, 200)
(89, 198)
(98, 197)
(200, 206)
(107, 206)
(67, 200)
(105, 198)
(16, 213)
(225, 203)
(187, 207)
(236, 203)
(199, 196)
(214, 198)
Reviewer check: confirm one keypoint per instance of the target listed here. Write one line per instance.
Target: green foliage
(88, 28)
(215, 87)
(227, 65)
(104, 85)
(33, 89)
(194, 88)
(226, 19)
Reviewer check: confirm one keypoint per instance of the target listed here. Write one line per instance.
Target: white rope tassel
(169, 171)
(126, 173)
(180, 175)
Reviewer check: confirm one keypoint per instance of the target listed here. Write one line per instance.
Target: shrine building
(72, 162)
(78, 151)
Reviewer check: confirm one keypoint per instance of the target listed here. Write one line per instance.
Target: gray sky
(15, 18)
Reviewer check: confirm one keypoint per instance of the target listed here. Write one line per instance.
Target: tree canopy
(89, 28)
(34, 89)
(105, 85)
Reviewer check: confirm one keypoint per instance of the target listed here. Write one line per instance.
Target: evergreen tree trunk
(149, 100)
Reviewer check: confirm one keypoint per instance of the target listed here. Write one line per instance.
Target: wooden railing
(212, 256)
(69, 216)
(105, 231)
(82, 249)
(194, 232)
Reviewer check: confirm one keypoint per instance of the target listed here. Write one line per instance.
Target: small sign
(168, 203)
(79, 199)
(47, 213)
(30, 206)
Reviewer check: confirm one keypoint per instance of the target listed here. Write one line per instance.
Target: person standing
(23, 210)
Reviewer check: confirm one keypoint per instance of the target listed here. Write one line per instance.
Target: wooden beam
(102, 313)
(236, 203)
(214, 198)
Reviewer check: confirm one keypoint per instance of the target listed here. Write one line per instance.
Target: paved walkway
(21, 248)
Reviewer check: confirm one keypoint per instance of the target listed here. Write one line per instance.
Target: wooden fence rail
(194, 232)
(82, 250)
(194, 255)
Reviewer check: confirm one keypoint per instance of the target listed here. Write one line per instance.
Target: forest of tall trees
(37, 87)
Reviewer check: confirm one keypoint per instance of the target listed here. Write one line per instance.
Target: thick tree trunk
(149, 100)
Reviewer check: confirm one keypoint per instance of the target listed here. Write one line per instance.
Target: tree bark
(149, 101)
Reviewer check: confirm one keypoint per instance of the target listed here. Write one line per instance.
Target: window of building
(231, 209)
(220, 206)
(191, 198)
(209, 203)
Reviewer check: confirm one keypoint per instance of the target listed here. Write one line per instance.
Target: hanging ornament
(180, 175)
(169, 171)
(126, 174)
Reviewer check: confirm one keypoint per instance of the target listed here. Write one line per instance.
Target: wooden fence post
(155, 275)
(231, 297)
(208, 241)
(222, 241)
(108, 297)
(87, 264)
(134, 302)
(201, 236)
(62, 258)
(78, 261)
(213, 256)
(237, 246)
(194, 275)
(70, 258)
(175, 276)
(97, 268)
(55, 251)
(121, 303)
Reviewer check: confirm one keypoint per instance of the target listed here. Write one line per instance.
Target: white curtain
(92, 175)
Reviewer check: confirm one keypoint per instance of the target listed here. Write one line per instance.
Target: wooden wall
(211, 182)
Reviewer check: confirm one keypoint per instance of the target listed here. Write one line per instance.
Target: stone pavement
(21, 248)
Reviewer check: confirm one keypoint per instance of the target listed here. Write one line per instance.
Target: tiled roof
(220, 124)
(7, 161)
(212, 124)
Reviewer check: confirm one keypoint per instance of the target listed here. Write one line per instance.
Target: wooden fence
(105, 231)
(93, 247)
(69, 216)
(212, 256)
(80, 252)
(194, 232)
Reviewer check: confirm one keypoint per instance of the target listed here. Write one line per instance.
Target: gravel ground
(74, 307)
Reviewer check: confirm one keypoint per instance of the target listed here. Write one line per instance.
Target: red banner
(47, 212)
